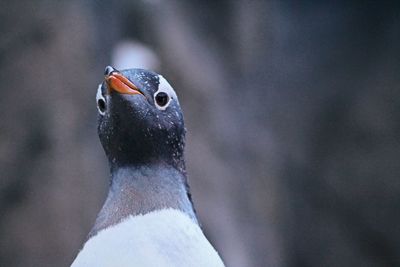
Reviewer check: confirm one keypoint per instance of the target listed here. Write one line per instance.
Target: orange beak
(121, 84)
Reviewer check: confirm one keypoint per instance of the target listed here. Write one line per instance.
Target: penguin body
(166, 237)
(148, 217)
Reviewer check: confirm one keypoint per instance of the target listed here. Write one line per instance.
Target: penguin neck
(140, 189)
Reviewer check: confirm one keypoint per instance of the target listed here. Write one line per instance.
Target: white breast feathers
(160, 238)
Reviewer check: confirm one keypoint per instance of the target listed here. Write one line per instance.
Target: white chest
(160, 238)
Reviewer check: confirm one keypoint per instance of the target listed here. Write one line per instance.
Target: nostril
(108, 70)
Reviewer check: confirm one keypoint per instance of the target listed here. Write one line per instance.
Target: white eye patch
(164, 90)
(100, 101)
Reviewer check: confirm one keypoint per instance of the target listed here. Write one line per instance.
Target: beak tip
(120, 83)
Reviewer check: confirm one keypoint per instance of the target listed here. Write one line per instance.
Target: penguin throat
(143, 189)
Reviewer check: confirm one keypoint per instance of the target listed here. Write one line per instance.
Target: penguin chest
(160, 238)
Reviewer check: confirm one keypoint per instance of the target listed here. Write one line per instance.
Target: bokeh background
(292, 111)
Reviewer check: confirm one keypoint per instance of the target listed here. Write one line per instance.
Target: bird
(148, 218)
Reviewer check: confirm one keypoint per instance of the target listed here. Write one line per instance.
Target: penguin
(148, 217)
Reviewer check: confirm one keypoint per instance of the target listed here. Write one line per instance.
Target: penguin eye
(101, 102)
(161, 100)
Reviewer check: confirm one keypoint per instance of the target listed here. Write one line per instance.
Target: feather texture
(165, 237)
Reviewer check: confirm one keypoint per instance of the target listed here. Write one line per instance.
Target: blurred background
(292, 111)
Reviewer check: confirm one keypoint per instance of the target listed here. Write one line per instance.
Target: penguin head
(140, 120)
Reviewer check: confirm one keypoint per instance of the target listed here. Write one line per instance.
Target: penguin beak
(121, 84)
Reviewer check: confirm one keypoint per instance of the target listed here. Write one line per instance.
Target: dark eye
(101, 104)
(162, 99)
(101, 101)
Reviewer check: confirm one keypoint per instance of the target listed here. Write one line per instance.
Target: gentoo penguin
(148, 217)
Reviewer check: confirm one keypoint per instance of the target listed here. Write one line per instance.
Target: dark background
(292, 111)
